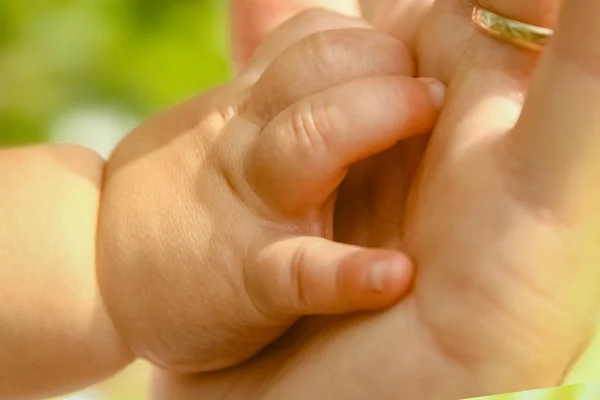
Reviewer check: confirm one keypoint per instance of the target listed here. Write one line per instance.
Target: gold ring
(518, 33)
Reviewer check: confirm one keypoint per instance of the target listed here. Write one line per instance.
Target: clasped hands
(296, 188)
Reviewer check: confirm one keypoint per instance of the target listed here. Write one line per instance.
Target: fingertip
(377, 279)
(437, 91)
(390, 277)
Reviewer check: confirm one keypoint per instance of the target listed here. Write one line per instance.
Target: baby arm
(55, 335)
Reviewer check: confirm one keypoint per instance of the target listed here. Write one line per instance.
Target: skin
(500, 219)
(208, 231)
(257, 164)
(53, 324)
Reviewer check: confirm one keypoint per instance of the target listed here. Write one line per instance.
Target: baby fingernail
(385, 271)
(437, 91)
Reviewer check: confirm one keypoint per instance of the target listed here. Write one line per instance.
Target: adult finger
(556, 143)
(511, 58)
(310, 275)
(488, 87)
(553, 166)
(321, 61)
(449, 27)
(541, 13)
(253, 20)
(300, 158)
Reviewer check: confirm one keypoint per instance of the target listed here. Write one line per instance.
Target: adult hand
(511, 251)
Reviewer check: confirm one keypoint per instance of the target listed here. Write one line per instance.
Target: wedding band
(517, 33)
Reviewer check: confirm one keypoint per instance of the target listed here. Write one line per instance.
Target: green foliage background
(572, 392)
(137, 56)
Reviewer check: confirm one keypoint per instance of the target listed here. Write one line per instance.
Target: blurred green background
(87, 71)
(572, 392)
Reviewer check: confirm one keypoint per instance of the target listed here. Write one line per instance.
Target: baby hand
(215, 230)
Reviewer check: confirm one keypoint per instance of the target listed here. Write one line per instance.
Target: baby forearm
(55, 335)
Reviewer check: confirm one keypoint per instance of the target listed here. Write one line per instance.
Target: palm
(472, 247)
(470, 229)
(472, 224)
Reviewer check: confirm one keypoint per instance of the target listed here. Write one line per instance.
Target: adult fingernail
(386, 271)
(437, 90)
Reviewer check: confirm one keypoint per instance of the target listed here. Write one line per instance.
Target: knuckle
(297, 270)
(260, 291)
(336, 48)
(400, 93)
(317, 16)
(271, 281)
(358, 51)
(325, 48)
(323, 19)
(312, 123)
